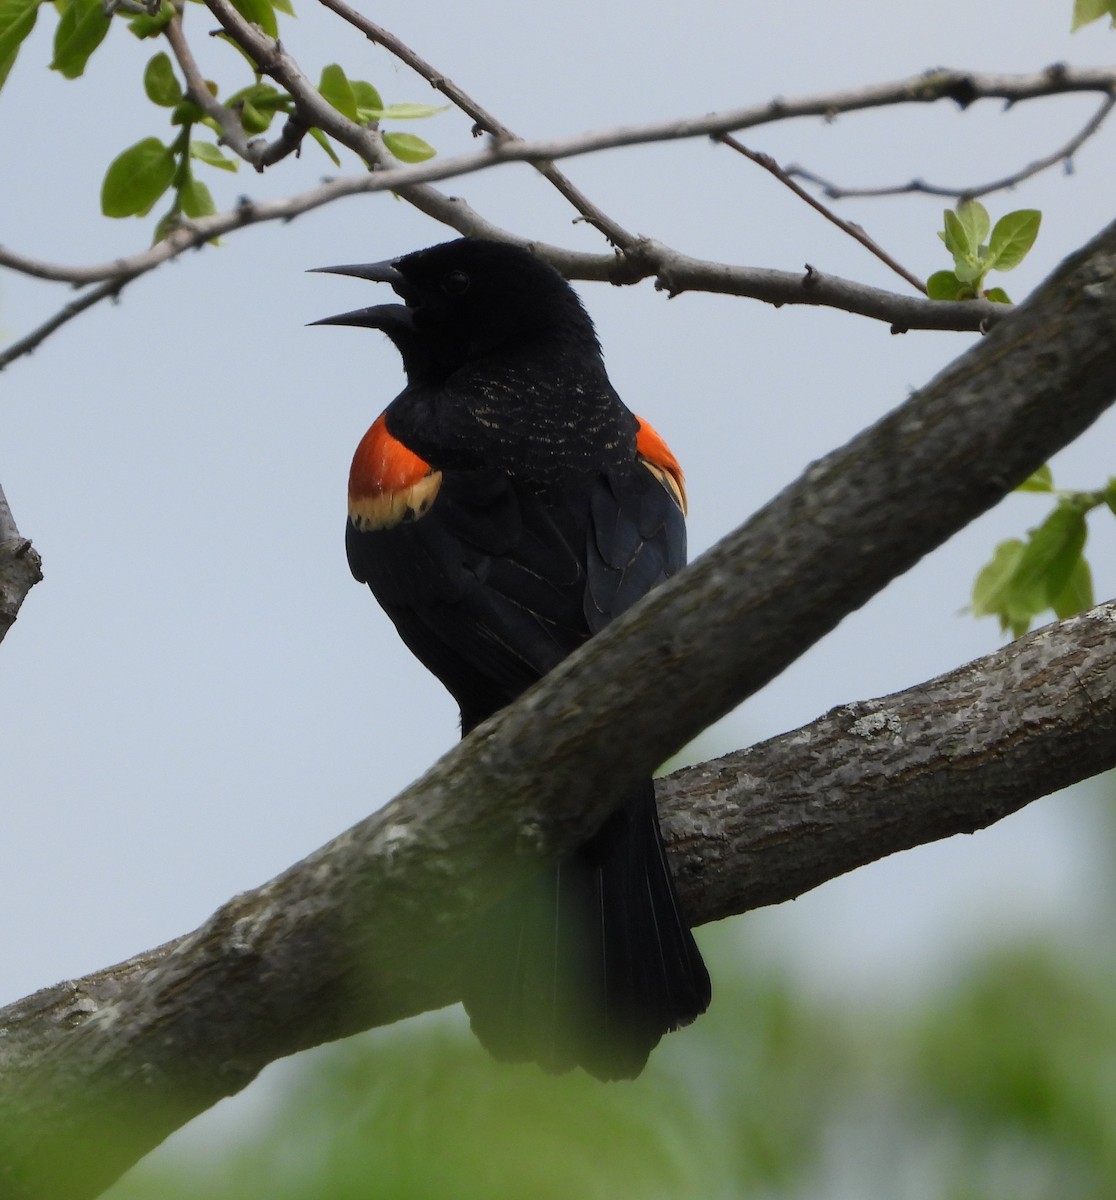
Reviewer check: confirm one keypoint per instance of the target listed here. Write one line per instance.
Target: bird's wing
(496, 582)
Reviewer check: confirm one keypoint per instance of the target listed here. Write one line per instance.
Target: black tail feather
(593, 962)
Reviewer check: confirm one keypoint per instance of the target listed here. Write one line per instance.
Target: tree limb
(20, 567)
(756, 827)
(361, 932)
(866, 780)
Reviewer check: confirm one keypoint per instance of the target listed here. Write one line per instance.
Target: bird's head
(466, 299)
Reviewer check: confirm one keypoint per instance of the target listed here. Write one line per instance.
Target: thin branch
(674, 272)
(1063, 155)
(273, 60)
(257, 152)
(109, 290)
(962, 87)
(197, 90)
(853, 230)
(483, 120)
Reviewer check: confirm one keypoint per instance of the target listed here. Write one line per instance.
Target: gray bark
(20, 567)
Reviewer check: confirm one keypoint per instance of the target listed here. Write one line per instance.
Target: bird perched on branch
(504, 508)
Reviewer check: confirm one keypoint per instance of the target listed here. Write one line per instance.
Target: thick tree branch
(20, 567)
(359, 933)
(756, 827)
(950, 756)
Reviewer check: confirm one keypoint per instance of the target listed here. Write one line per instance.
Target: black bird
(504, 508)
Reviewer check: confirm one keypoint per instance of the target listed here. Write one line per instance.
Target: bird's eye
(455, 282)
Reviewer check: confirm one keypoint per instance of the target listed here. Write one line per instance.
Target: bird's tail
(593, 962)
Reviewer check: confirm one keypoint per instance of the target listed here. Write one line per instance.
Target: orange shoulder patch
(388, 483)
(659, 460)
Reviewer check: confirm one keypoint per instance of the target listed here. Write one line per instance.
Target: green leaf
(944, 285)
(1052, 552)
(137, 178)
(166, 224)
(994, 578)
(195, 200)
(187, 113)
(284, 6)
(323, 141)
(406, 112)
(1041, 481)
(1013, 236)
(259, 12)
(974, 219)
(208, 153)
(408, 148)
(366, 96)
(144, 26)
(160, 83)
(969, 270)
(6, 66)
(253, 119)
(263, 97)
(338, 91)
(997, 295)
(17, 19)
(956, 236)
(80, 31)
(1077, 595)
(1110, 495)
(1085, 11)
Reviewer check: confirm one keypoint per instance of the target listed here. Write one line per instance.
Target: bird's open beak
(387, 317)
(380, 272)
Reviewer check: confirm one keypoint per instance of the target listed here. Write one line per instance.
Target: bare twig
(1064, 155)
(673, 272)
(255, 151)
(853, 230)
(483, 120)
(30, 342)
(639, 260)
(961, 87)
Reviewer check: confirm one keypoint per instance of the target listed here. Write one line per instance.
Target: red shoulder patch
(383, 464)
(659, 460)
(388, 483)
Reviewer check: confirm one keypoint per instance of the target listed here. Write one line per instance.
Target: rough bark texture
(20, 567)
(953, 755)
(356, 934)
